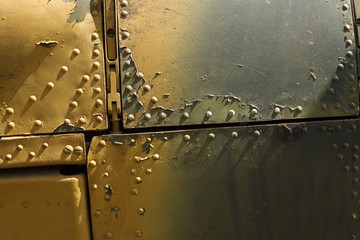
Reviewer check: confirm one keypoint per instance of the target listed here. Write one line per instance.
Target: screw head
(68, 149)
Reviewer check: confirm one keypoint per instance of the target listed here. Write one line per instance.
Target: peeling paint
(80, 10)
(47, 44)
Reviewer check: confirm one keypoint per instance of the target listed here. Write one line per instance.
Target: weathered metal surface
(43, 205)
(51, 68)
(288, 181)
(186, 62)
(18, 152)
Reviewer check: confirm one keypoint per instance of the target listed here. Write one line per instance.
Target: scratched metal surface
(296, 181)
(263, 59)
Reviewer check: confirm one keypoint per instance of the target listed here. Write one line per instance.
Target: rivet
(138, 233)
(277, 110)
(350, 66)
(96, 64)
(149, 140)
(345, 146)
(76, 51)
(141, 211)
(351, 77)
(50, 85)
(138, 180)
(64, 69)
(95, 2)
(10, 124)
(32, 98)
(97, 90)
(340, 67)
(335, 78)
(73, 104)
(107, 197)
(92, 163)
(102, 143)
(208, 114)
(124, 3)
(333, 146)
(31, 154)
(124, 13)
(133, 171)
(94, 36)
(348, 43)
(149, 170)
(347, 27)
(127, 62)
(353, 127)
(323, 106)
(131, 117)
(94, 187)
(108, 235)
(68, 149)
(127, 50)
(154, 99)
(147, 87)
(186, 115)
(254, 111)
(38, 123)
(96, 52)
(352, 90)
(82, 120)
(156, 156)
(129, 88)
(132, 141)
(299, 109)
(211, 136)
(339, 157)
(86, 78)
(163, 115)
(128, 75)
(104, 161)
(139, 74)
(355, 169)
(134, 191)
(19, 147)
(147, 116)
(99, 119)
(354, 216)
(355, 180)
(231, 113)
(353, 237)
(8, 157)
(79, 91)
(346, 168)
(125, 34)
(234, 134)
(355, 157)
(78, 150)
(97, 212)
(345, 7)
(98, 103)
(186, 137)
(354, 194)
(330, 91)
(165, 139)
(337, 105)
(9, 111)
(256, 133)
(67, 121)
(45, 145)
(304, 130)
(355, 148)
(349, 54)
(352, 105)
(106, 174)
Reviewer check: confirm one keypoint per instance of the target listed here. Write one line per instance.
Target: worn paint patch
(80, 10)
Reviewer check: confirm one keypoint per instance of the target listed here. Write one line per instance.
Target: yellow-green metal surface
(42, 205)
(52, 67)
(34, 151)
(288, 181)
(196, 62)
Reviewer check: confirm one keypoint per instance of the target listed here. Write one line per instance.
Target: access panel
(197, 62)
(51, 67)
(287, 181)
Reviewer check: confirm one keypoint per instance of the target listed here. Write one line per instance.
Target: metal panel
(43, 205)
(51, 67)
(288, 181)
(186, 62)
(18, 152)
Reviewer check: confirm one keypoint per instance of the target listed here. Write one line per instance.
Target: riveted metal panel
(288, 181)
(18, 152)
(37, 204)
(51, 67)
(186, 62)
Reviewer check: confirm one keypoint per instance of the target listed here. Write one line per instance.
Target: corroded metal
(34, 151)
(51, 63)
(38, 204)
(288, 181)
(264, 60)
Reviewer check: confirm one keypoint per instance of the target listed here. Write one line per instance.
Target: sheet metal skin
(43, 205)
(288, 181)
(186, 62)
(34, 151)
(51, 69)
